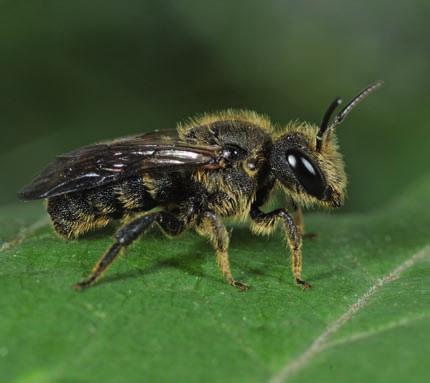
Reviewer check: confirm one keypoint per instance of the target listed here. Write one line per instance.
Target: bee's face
(308, 175)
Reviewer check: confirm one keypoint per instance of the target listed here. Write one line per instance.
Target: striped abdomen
(76, 213)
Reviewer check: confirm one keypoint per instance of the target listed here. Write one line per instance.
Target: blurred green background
(77, 72)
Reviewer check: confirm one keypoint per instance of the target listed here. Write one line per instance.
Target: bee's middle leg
(126, 235)
(212, 227)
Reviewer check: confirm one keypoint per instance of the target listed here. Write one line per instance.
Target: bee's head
(306, 159)
(309, 175)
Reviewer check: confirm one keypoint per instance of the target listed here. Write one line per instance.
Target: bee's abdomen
(76, 213)
(133, 194)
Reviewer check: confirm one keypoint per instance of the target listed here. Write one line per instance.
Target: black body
(221, 165)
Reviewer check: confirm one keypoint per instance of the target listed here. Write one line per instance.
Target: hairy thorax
(230, 192)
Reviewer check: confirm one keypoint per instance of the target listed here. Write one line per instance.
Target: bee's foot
(82, 285)
(305, 285)
(310, 235)
(239, 285)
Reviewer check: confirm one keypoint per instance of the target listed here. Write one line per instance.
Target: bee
(214, 166)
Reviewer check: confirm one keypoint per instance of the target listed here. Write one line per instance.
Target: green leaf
(163, 313)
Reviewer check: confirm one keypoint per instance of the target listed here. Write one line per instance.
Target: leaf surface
(163, 312)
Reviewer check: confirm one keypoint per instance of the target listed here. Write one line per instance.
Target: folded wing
(104, 163)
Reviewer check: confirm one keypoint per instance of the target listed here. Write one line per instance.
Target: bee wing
(105, 163)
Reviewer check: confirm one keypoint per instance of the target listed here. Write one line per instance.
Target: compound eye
(307, 173)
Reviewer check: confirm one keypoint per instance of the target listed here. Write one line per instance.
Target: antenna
(344, 112)
(326, 119)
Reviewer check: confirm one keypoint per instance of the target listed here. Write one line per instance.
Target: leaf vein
(322, 341)
(24, 233)
(376, 331)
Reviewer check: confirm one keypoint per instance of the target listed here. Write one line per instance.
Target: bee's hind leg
(129, 233)
(212, 227)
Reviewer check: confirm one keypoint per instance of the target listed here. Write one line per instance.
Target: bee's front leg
(298, 219)
(265, 222)
(211, 226)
